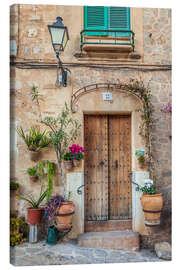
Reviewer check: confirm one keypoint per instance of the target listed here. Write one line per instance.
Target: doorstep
(119, 240)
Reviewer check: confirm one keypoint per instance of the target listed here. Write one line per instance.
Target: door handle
(79, 191)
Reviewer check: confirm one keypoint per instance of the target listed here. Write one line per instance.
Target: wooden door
(107, 141)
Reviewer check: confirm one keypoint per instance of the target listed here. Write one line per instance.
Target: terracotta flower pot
(34, 156)
(35, 215)
(76, 163)
(68, 164)
(64, 215)
(152, 206)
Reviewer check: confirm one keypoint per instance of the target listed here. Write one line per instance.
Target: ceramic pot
(34, 156)
(76, 163)
(152, 206)
(64, 215)
(34, 215)
(68, 164)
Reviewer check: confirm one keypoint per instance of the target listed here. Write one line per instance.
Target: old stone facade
(31, 49)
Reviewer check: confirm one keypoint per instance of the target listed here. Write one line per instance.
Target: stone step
(120, 240)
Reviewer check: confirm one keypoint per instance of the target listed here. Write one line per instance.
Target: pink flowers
(77, 151)
(75, 148)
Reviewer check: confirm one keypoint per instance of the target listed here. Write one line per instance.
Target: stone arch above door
(98, 87)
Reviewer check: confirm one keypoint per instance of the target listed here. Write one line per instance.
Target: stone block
(36, 49)
(119, 240)
(163, 250)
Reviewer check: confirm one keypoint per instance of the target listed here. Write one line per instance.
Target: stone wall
(157, 36)
(29, 30)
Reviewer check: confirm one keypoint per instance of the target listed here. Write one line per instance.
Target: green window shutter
(95, 18)
(119, 19)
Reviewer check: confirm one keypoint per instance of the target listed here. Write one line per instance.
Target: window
(106, 18)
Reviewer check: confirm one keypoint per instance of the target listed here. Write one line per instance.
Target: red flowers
(77, 151)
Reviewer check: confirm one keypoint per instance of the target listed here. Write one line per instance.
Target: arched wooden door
(107, 141)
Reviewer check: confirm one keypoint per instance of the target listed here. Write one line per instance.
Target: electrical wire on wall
(25, 65)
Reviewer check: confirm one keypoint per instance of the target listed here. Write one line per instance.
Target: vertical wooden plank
(96, 197)
(120, 160)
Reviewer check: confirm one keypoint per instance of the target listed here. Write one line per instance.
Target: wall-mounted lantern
(59, 39)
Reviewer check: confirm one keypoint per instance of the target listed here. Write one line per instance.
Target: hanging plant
(51, 169)
(39, 171)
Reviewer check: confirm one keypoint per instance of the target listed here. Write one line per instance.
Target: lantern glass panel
(57, 35)
(65, 40)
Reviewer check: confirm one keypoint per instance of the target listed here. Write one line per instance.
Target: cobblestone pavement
(71, 253)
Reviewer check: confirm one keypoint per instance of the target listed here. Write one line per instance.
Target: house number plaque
(107, 96)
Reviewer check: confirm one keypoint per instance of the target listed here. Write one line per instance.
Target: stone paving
(69, 252)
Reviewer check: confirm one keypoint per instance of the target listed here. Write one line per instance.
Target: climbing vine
(142, 92)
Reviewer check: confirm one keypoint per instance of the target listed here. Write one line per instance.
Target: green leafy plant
(141, 159)
(148, 189)
(18, 229)
(35, 139)
(34, 203)
(14, 185)
(68, 156)
(51, 169)
(32, 171)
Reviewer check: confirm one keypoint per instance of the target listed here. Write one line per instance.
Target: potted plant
(35, 141)
(142, 161)
(35, 212)
(68, 157)
(152, 203)
(14, 187)
(32, 172)
(60, 209)
(77, 152)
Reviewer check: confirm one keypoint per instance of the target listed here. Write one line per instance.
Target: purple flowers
(53, 205)
(167, 108)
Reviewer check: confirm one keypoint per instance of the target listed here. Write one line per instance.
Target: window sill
(106, 48)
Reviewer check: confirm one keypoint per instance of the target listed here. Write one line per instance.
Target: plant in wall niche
(64, 129)
(35, 140)
(77, 152)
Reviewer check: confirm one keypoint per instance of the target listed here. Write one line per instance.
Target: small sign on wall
(107, 96)
(139, 152)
